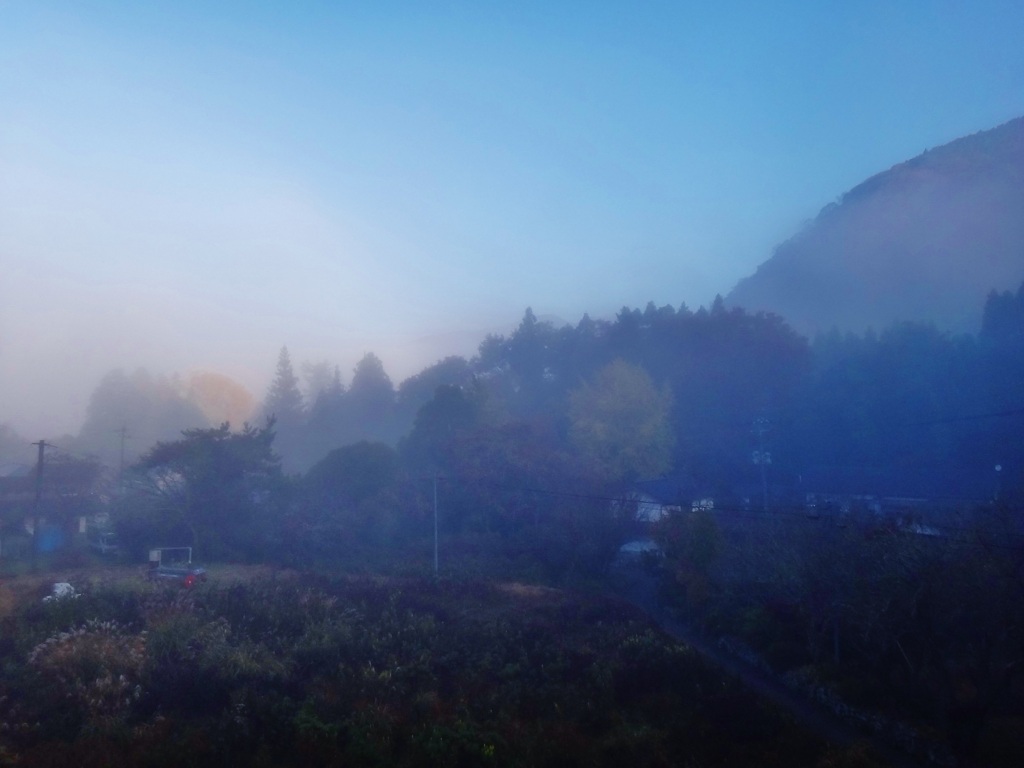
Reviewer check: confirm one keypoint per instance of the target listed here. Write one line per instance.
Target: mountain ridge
(925, 240)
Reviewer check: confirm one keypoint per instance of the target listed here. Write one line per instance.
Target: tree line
(585, 411)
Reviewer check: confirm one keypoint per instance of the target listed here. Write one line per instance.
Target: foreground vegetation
(302, 670)
(914, 635)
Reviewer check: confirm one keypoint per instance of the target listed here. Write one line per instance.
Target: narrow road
(641, 590)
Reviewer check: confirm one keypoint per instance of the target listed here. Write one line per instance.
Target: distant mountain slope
(926, 240)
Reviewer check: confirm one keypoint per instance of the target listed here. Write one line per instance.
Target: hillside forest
(905, 411)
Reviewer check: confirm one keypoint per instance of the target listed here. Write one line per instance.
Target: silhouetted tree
(418, 390)
(284, 404)
(353, 498)
(284, 398)
(371, 401)
(327, 423)
(320, 377)
(438, 423)
(522, 370)
(225, 487)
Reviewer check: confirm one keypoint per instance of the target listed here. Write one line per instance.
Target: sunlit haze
(189, 186)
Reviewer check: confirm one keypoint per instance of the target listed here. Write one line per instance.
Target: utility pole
(762, 457)
(123, 432)
(435, 526)
(39, 500)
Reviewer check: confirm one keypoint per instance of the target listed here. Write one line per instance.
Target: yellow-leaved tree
(619, 422)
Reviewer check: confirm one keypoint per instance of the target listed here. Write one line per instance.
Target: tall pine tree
(284, 404)
(284, 398)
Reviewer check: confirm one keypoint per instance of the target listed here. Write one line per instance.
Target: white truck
(174, 564)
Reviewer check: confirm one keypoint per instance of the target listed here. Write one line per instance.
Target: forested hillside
(924, 241)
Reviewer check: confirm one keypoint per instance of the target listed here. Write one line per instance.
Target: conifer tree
(284, 399)
(371, 400)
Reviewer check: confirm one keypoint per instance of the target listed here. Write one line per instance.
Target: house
(650, 501)
(643, 508)
(68, 496)
(17, 496)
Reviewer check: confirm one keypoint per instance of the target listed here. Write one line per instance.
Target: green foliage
(619, 423)
(928, 628)
(692, 544)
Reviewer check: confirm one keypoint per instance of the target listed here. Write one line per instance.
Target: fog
(374, 389)
(184, 190)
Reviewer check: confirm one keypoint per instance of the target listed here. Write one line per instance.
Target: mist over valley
(470, 386)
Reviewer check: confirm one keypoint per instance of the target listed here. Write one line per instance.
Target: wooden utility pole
(435, 526)
(123, 432)
(39, 501)
(762, 457)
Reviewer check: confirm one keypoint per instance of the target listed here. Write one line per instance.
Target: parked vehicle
(174, 564)
(187, 575)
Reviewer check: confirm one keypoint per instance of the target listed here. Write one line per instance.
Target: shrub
(97, 668)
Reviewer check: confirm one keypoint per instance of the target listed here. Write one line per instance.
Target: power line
(123, 432)
(789, 512)
(966, 417)
(788, 509)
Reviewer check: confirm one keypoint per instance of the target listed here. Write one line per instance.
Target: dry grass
(15, 591)
(531, 591)
(7, 600)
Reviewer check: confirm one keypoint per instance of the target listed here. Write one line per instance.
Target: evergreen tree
(224, 487)
(284, 399)
(371, 400)
(327, 425)
(284, 405)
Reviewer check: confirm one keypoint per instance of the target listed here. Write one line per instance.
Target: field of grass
(284, 669)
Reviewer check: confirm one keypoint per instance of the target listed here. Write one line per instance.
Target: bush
(95, 669)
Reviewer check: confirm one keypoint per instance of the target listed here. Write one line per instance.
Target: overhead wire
(791, 512)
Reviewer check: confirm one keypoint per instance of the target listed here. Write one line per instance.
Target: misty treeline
(542, 427)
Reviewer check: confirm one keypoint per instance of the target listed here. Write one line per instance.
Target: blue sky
(190, 185)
